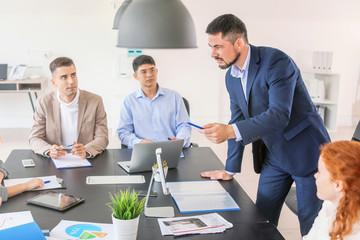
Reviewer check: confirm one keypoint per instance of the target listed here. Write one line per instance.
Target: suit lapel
(253, 69)
(57, 117)
(81, 112)
(240, 96)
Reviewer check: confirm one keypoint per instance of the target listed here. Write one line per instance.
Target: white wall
(81, 29)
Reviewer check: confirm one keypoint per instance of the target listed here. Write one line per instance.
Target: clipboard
(70, 161)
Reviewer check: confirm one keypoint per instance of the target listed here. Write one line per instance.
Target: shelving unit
(25, 85)
(332, 84)
(30, 85)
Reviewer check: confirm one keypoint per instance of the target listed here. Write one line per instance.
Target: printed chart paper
(73, 230)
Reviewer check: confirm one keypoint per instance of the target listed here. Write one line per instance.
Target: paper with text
(13, 219)
(70, 161)
(53, 184)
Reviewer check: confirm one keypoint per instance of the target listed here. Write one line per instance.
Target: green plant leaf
(126, 205)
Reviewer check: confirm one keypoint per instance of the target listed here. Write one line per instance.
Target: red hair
(342, 160)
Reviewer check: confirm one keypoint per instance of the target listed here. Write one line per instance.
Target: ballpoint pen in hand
(194, 125)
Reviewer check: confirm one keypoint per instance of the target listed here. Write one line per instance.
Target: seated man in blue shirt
(152, 113)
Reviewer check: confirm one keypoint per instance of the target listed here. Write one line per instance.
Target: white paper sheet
(70, 161)
(73, 230)
(13, 219)
(53, 184)
(201, 224)
(123, 179)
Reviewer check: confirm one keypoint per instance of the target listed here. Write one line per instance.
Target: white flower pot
(125, 229)
(157, 175)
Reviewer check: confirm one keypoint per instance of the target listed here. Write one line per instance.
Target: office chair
(356, 136)
(291, 200)
(187, 106)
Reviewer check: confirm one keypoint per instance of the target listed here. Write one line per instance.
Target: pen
(195, 125)
(47, 181)
(66, 146)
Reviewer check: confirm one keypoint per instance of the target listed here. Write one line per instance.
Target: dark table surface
(248, 223)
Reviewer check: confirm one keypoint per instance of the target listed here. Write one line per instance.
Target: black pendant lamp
(154, 24)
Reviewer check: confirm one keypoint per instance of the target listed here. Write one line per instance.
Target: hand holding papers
(70, 161)
(202, 224)
(51, 182)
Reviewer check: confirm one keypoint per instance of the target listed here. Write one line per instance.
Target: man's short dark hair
(142, 59)
(230, 26)
(60, 62)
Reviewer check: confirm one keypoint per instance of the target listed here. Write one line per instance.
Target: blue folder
(21, 232)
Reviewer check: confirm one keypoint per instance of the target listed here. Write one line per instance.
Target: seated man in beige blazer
(68, 117)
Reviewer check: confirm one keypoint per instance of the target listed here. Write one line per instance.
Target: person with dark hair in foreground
(270, 108)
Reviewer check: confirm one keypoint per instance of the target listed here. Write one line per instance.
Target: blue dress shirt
(157, 119)
(242, 74)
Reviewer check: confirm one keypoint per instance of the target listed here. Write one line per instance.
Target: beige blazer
(92, 128)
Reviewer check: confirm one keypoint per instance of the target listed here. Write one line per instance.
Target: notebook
(143, 155)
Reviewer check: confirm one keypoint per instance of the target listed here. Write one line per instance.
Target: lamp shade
(156, 24)
(120, 12)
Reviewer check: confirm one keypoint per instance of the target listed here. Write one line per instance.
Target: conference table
(248, 223)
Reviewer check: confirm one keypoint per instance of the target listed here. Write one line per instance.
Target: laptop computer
(143, 155)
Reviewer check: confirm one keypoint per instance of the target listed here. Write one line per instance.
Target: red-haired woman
(338, 184)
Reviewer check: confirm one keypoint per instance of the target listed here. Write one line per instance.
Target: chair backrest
(187, 106)
(356, 136)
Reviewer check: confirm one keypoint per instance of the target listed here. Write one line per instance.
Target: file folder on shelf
(201, 196)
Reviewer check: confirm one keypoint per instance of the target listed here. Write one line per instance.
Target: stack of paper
(201, 196)
(202, 224)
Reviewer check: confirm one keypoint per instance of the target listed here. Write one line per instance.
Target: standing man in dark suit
(270, 108)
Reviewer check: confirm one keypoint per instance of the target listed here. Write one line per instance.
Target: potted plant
(126, 209)
(156, 168)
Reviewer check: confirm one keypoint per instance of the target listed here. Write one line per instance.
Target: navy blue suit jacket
(279, 112)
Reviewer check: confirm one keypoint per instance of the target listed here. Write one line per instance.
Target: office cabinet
(324, 91)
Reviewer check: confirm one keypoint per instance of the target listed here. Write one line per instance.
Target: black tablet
(55, 200)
